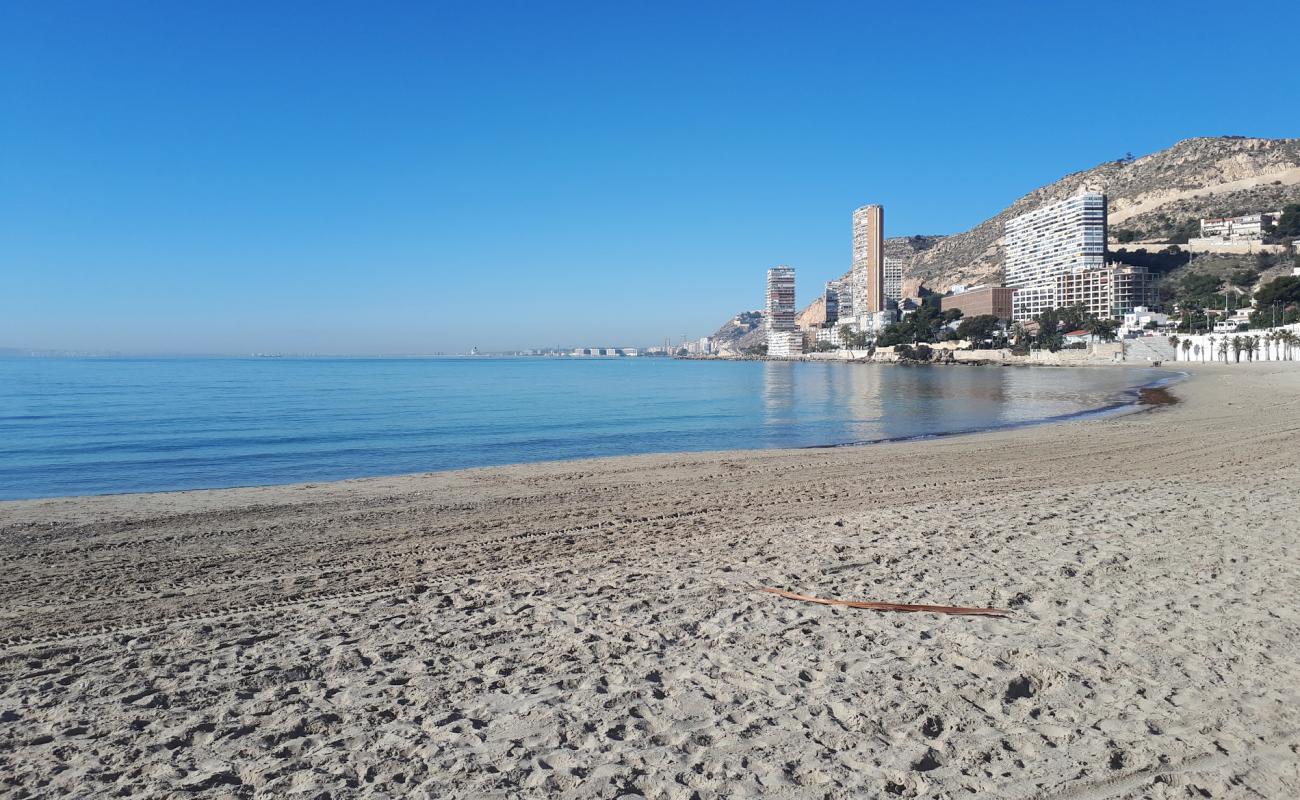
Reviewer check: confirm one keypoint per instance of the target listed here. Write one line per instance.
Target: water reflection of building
(933, 400)
(808, 404)
(779, 404)
(857, 390)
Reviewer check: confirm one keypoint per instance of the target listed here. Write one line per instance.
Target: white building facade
(893, 279)
(1249, 226)
(784, 340)
(1050, 242)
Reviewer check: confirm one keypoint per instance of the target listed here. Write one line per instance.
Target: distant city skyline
(239, 177)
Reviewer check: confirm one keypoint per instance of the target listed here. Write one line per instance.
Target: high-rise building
(868, 259)
(783, 337)
(832, 302)
(780, 299)
(844, 295)
(893, 279)
(1050, 242)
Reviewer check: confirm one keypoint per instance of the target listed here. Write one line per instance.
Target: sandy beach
(595, 629)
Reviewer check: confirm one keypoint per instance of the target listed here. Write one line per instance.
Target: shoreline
(1130, 403)
(594, 628)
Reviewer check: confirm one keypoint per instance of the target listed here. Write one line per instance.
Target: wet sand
(594, 629)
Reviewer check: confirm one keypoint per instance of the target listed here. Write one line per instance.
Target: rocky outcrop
(743, 331)
(814, 316)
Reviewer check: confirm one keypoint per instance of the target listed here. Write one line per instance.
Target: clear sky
(370, 177)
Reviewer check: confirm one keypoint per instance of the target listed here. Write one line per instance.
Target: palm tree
(1211, 348)
(1187, 345)
(1237, 346)
(1289, 340)
(1251, 344)
(1223, 349)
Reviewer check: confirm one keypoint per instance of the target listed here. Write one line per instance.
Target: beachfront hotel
(1053, 241)
(783, 337)
(869, 260)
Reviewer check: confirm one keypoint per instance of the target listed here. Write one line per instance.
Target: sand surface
(592, 629)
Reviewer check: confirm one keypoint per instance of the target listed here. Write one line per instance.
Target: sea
(72, 426)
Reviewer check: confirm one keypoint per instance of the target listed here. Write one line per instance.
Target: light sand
(591, 629)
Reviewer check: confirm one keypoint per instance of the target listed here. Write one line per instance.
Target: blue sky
(414, 177)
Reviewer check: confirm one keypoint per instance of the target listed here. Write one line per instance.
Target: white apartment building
(1049, 242)
(784, 344)
(893, 279)
(1136, 321)
(780, 300)
(1249, 226)
(1030, 301)
(784, 339)
(834, 300)
(1107, 292)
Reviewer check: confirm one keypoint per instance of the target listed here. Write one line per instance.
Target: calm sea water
(89, 426)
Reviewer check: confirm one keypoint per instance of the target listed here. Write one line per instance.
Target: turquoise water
(91, 426)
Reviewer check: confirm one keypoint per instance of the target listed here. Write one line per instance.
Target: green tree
(1185, 230)
(1075, 317)
(1289, 223)
(1049, 330)
(922, 325)
(979, 327)
(1103, 329)
(1244, 278)
(1200, 289)
(1279, 300)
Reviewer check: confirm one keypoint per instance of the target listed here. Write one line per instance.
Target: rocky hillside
(1151, 195)
(742, 331)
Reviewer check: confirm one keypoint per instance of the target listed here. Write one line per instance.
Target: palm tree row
(1277, 345)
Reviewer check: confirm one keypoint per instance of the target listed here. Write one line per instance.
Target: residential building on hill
(1249, 226)
(1049, 242)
